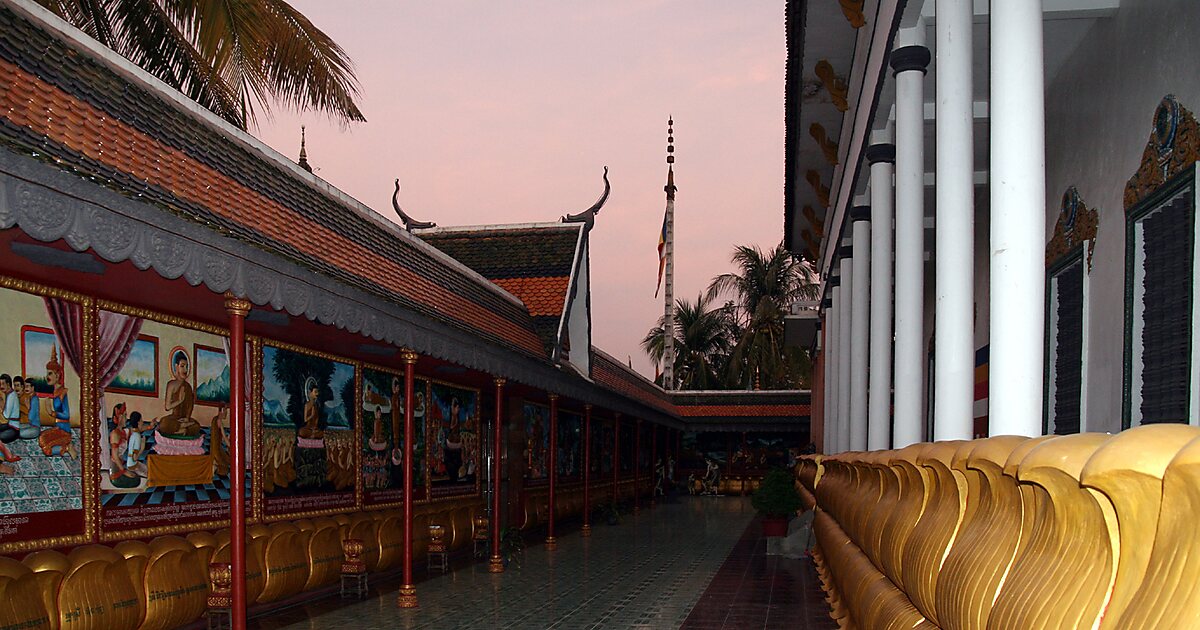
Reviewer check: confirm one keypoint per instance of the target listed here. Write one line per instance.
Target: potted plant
(777, 500)
(610, 513)
(512, 545)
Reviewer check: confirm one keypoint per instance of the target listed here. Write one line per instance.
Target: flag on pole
(662, 254)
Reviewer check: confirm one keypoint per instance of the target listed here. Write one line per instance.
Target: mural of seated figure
(178, 432)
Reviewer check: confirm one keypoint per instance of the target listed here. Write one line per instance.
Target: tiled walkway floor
(647, 572)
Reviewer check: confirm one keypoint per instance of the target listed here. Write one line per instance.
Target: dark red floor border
(754, 590)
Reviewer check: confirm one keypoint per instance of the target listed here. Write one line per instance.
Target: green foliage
(230, 56)
(348, 401)
(291, 369)
(777, 496)
(740, 345)
(512, 544)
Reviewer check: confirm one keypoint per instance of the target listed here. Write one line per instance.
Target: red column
(654, 462)
(551, 542)
(496, 564)
(637, 462)
(237, 308)
(616, 455)
(408, 592)
(587, 471)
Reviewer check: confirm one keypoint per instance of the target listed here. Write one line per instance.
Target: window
(1160, 364)
(1066, 341)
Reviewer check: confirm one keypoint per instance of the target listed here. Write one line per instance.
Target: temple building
(1000, 199)
(235, 387)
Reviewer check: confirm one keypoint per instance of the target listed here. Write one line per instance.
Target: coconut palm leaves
(237, 58)
(763, 286)
(703, 339)
(740, 345)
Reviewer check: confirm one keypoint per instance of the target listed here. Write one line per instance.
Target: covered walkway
(694, 563)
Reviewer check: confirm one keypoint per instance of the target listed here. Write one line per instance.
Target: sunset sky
(507, 112)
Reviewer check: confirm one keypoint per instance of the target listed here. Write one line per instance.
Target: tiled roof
(614, 376)
(72, 110)
(533, 263)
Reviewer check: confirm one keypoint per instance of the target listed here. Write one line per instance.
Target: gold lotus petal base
(496, 565)
(585, 531)
(551, 543)
(408, 596)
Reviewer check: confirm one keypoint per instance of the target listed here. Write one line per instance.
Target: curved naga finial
(588, 217)
(410, 224)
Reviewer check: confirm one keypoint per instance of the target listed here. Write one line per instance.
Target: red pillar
(551, 542)
(408, 592)
(237, 308)
(496, 564)
(616, 455)
(587, 471)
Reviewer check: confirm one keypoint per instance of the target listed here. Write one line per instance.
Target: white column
(954, 348)
(882, 157)
(832, 370)
(826, 381)
(860, 335)
(1018, 207)
(845, 347)
(909, 64)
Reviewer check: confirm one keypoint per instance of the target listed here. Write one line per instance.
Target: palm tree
(234, 57)
(763, 288)
(703, 338)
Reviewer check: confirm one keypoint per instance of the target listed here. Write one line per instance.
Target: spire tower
(669, 256)
(303, 154)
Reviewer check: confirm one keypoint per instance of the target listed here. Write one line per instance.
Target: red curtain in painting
(66, 318)
(117, 334)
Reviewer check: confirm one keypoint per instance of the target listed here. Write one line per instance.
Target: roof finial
(303, 154)
(670, 187)
(588, 217)
(410, 224)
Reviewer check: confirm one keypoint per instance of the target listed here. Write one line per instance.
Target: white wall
(1098, 118)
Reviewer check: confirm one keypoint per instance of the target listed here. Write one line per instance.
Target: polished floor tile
(660, 569)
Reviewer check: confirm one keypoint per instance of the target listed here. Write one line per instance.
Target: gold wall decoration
(834, 84)
(817, 223)
(821, 190)
(853, 10)
(1173, 146)
(828, 146)
(1076, 224)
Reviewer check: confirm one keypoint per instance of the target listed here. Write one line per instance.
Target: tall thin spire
(668, 375)
(303, 154)
(670, 187)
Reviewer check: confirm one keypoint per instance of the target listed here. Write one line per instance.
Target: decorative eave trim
(50, 204)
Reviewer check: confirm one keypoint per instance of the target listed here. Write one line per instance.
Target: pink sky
(507, 112)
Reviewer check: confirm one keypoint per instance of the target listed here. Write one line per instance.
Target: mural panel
(626, 448)
(164, 454)
(537, 442)
(453, 445)
(383, 437)
(41, 440)
(602, 447)
(570, 446)
(308, 440)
